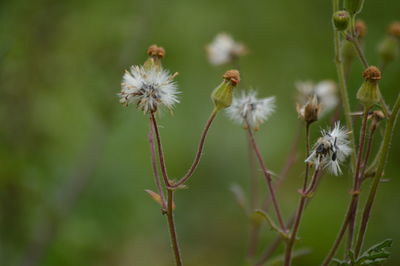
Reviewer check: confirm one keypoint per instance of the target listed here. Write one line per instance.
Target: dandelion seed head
(223, 49)
(148, 88)
(249, 109)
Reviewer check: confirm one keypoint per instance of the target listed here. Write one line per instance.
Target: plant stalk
(305, 194)
(389, 131)
(196, 160)
(267, 176)
(172, 230)
(351, 211)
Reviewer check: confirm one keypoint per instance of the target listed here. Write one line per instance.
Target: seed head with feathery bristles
(331, 149)
(149, 88)
(224, 49)
(248, 109)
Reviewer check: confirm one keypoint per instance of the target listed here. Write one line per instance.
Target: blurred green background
(74, 163)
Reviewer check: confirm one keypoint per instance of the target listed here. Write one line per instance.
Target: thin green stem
(267, 176)
(389, 131)
(172, 230)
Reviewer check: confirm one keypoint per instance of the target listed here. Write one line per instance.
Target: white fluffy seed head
(249, 109)
(223, 49)
(331, 149)
(325, 91)
(149, 88)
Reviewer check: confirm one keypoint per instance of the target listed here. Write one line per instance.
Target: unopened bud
(369, 93)
(353, 6)
(341, 20)
(222, 95)
(156, 53)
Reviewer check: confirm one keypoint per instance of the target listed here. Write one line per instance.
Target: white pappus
(331, 149)
(249, 109)
(223, 49)
(149, 88)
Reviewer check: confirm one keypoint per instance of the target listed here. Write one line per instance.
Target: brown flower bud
(156, 51)
(233, 76)
(372, 73)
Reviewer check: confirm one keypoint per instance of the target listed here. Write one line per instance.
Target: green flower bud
(353, 6)
(341, 20)
(222, 95)
(369, 93)
(388, 49)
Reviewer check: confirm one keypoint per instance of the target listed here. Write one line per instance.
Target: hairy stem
(267, 176)
(389, 131)
(172, 230)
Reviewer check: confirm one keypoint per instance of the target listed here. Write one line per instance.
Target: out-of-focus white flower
(331, 149)
(149, 88)
(326, 92)
(224, 49)
(247, 109)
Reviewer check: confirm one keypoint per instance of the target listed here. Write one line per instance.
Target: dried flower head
(249, 110)
(149, 88)
(309, 112)
(224, 49)
(156, 51)
(372, 73)
(331, 149)
(325, 91)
